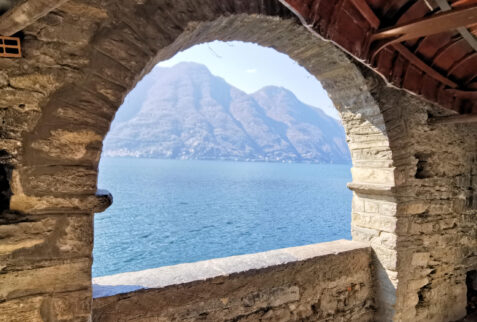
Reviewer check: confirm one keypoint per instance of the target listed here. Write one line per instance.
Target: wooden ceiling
(428, 47)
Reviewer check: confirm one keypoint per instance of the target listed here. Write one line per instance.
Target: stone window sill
(162, 277)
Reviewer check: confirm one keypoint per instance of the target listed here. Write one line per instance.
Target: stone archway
(80, 62)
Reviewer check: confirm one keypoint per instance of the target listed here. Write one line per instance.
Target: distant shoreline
(228, 160)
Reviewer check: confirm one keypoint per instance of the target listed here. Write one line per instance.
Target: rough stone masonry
(328, 281)
(414, 184)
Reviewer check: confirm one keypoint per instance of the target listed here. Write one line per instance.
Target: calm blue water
(167, 212)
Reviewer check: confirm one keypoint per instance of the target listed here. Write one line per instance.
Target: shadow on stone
(110, 290)
(385, 291)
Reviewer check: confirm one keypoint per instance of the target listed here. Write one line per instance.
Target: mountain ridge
(186, 112)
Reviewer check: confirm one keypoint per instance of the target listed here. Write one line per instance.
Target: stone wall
(436, 230)
(323, 282)
(422, 228)
(414, 184)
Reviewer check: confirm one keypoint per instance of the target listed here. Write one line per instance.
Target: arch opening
(351, 90)
(171, 212)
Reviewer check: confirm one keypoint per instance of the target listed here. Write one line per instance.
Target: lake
(167, 212)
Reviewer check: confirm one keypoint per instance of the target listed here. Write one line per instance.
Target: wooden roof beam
(472, 95)
(367, 13)
(462, 3)
(24, 13)
(464, 32)
(423, 66)
(454, 119)
(436, 24)
(429, 26)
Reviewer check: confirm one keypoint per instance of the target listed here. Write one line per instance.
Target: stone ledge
(189, 272)
(73, 204)
(372, 188)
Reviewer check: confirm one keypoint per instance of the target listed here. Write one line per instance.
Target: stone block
(42, 83)
(370, 175)
(71, 145)
(58, 180)
(357, 203)
(22, 310)
(414, 207)
(420, 259)
(373, 221)
(71, 306)
(387, 208)
(371, 206)
(56, 205)
(386, 257)
(71, 276)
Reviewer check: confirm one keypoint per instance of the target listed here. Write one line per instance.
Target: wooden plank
(452, 54)
(464, 32)
(25, 13)
(454, 119)
(367, 13)
(413, 79)
(431, 46)
(413, 59)
(417, 11)
(429, 87)
(429, 26)
(465, 68)
(472, 95)
(463, 3)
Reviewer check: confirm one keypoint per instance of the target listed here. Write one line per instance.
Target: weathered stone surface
(24, 13)
(72, 276)
(67, 144)
(71, 306)
(51, 205)
(58, 180)
(317, 282)
(20, 310)
(431, 223)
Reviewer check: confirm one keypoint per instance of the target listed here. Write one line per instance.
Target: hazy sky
(250, 67)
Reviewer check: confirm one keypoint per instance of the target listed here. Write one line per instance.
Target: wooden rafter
(367, 13)
(454, 119)
(462, 3)
(472, 95)
(428, 26)
(425, 43)
(424, 27)
(422, 65)
(461, 63)
(464, 32)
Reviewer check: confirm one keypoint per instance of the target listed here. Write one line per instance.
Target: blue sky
(250, 67)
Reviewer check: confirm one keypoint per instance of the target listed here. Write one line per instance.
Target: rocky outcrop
(185, 112)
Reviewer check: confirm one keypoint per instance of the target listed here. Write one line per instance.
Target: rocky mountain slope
(185, 112)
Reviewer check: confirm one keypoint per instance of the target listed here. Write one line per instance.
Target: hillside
(185, 112)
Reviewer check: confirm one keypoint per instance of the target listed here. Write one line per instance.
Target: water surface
(167, 212)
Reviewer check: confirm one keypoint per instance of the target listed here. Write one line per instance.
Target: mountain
(185, 112)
